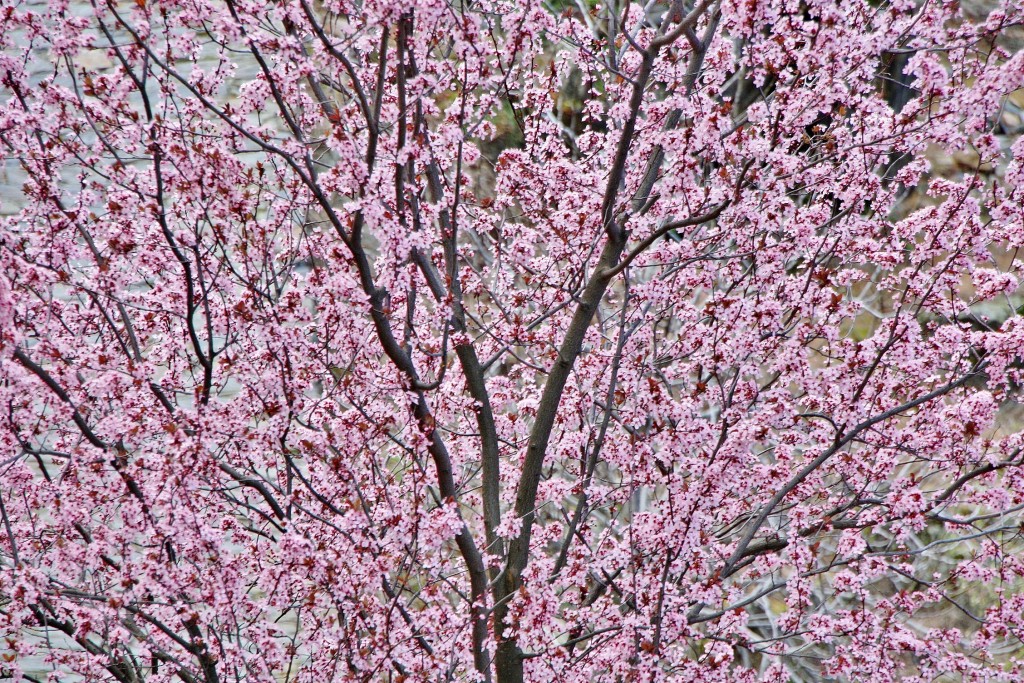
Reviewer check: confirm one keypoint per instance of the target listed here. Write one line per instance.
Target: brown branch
(741, 549)
(57, 389)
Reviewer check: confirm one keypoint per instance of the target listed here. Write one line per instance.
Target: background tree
(498, 341)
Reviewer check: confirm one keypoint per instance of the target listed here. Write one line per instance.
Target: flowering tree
(485, 340)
